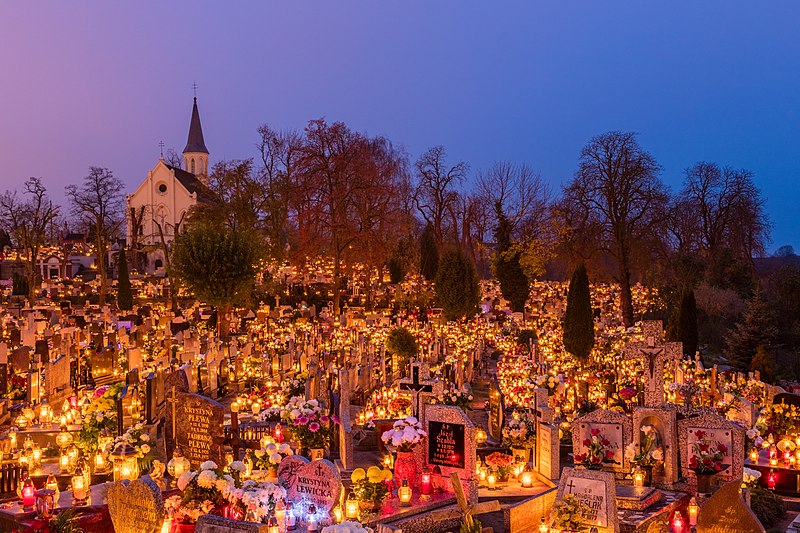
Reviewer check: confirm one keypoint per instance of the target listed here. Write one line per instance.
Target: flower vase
(704, 483)
(316, 453)
(177, 527)
(648, 475)
(405, 467)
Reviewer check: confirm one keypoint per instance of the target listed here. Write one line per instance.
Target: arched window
(158, 264)
(192, 166)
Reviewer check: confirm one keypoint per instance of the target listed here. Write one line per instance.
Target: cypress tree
(578, 319)
(457, 288)
(757, 327)
(428, 254)
(514, 283)
(124, 294)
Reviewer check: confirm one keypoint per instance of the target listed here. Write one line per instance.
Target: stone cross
(653, 353)
(419, 386)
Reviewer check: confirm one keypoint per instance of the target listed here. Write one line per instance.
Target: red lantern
(677, 522)
(278, 432)
(28, 495)
(772, 479)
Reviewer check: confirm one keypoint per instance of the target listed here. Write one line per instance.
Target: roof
(195, 142)
(193, 184)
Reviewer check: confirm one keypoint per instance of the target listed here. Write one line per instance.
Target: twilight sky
(101, 83)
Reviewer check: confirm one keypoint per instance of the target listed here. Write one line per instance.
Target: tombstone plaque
(597, 491)
(318, 482)
(198, 428)
(446, 446)
(136, 506)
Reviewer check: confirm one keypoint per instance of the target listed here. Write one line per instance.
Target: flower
(184, 479)
(209, 465)
(238, 466)
(314, 427)
(145, 448)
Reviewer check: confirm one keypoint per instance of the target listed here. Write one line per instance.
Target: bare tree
(28, 221)
(617, 195)
(174, 158)
(173, 292)
(436, 194)
(136, 221)
(99, 204)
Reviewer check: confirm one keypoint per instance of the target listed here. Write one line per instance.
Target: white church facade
(160, 204)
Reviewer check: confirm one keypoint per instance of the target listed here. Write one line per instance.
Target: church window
(162, 188)
(193, 165)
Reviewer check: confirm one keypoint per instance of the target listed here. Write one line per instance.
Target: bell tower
(195, 155)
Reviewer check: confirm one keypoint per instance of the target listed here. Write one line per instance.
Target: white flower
(275, 458)
(260, 453)
(206, 479)
(145, 437)
(145, 448)
(238, 466)
(185, 479)
(285, 449)
(209, 465)
(658, 454)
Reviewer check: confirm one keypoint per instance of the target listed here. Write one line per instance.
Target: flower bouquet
(648, 454)
(399, 407)
(549, 382)
(204, 491)
(455, 397)
(306, 424)
(706, 457)
(598, 451)
(570, 514)
(370, 487)
(500, 463)
(347, 527)
(269, 457)
(519, 433)
(405, 434)
(99, 414)
(141, 442)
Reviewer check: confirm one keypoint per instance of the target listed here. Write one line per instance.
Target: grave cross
(465, 510)
(417, 387)
(570, 486)
(653, 353)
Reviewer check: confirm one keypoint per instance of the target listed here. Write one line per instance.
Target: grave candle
(425, 485)
(351, 507)
(527, 479)
(337, 514)
(491, 480)
(638, 477)
(291, 519)
(694, 510)
(52, 484)
(677, 522)
(754, 456)
(28, 495)
(311, 519)
(543, 527)
(404, 493)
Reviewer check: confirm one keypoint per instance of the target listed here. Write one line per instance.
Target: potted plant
(706, 461)
(598, 451)
(519, 434)
(268, 459)
(370, 487)
(501, 464)
(306, 424)
(570, 515)
(404, 436)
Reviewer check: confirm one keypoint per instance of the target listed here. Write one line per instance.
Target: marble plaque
(198, 428)
(317, 481)
(596, 490)
(726, 511)
(136, 506)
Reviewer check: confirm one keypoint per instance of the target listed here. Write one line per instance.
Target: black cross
(570, 486)
(415, 387)
(161, 146)
(319, 470)
(652, 354)
(194, 88)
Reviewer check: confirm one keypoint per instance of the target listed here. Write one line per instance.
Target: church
(159, 206)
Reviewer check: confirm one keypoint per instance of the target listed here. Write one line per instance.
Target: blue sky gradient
(101, 83)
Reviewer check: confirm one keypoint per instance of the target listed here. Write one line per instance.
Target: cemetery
(148, 421)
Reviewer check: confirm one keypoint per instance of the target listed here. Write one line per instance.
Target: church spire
(195, 155)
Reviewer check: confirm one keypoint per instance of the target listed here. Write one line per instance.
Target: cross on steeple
(194, 88)
(161, 146)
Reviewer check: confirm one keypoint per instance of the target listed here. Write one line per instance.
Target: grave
(210, 523)
(136, 506)
(663, 421)
(716, 430)
(318, 482)
(197, 422)
(615, 427)
(450, 445)
(653, 353)
(596, 490)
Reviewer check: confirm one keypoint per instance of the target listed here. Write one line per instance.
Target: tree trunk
(626, 298)
(32, 278)
(223, 324)
(337, 267)
(101, 269)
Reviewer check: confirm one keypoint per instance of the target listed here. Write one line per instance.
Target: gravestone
(136, 506)
(57, 379)
(715, 430)
(209, 523)
(346, 453)
(742, 412)
(287, 470)
(420, 387)
(597, 491)
(319, 482)
(496, 410)
(664, 422)
(615, 427)
(548, 456)
(198, 428)
(103, 363)
(653, 353)
(725, 511)
(450, 444)
(21, 360)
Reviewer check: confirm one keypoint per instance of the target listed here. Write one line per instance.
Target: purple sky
(101, 83)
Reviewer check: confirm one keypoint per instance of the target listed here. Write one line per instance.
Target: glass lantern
(80, 490)
(177, 465)
(64, 438)
(125, 461)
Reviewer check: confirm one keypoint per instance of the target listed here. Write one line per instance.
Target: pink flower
(324, 419)
(314, 427)
(302, 420)
(335, 419)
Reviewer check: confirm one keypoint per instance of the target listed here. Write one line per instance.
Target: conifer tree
(457, 288)
(124, 294)
(513, 282)
(755, 328)
(578, 319)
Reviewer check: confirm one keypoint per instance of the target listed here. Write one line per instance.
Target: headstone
(420, 387)
(548, 454)
(664, 423)
(209, 523)
(21, 360)
(319, 482)
(596, 490)
(58, 379)
(198, 428)
(450, 444)
(287, 470)
(716, 430)
(496, 410)
(615, 427)
(726, 511)
(136, 506)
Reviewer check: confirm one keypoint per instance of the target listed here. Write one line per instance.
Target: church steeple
(195, 155)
